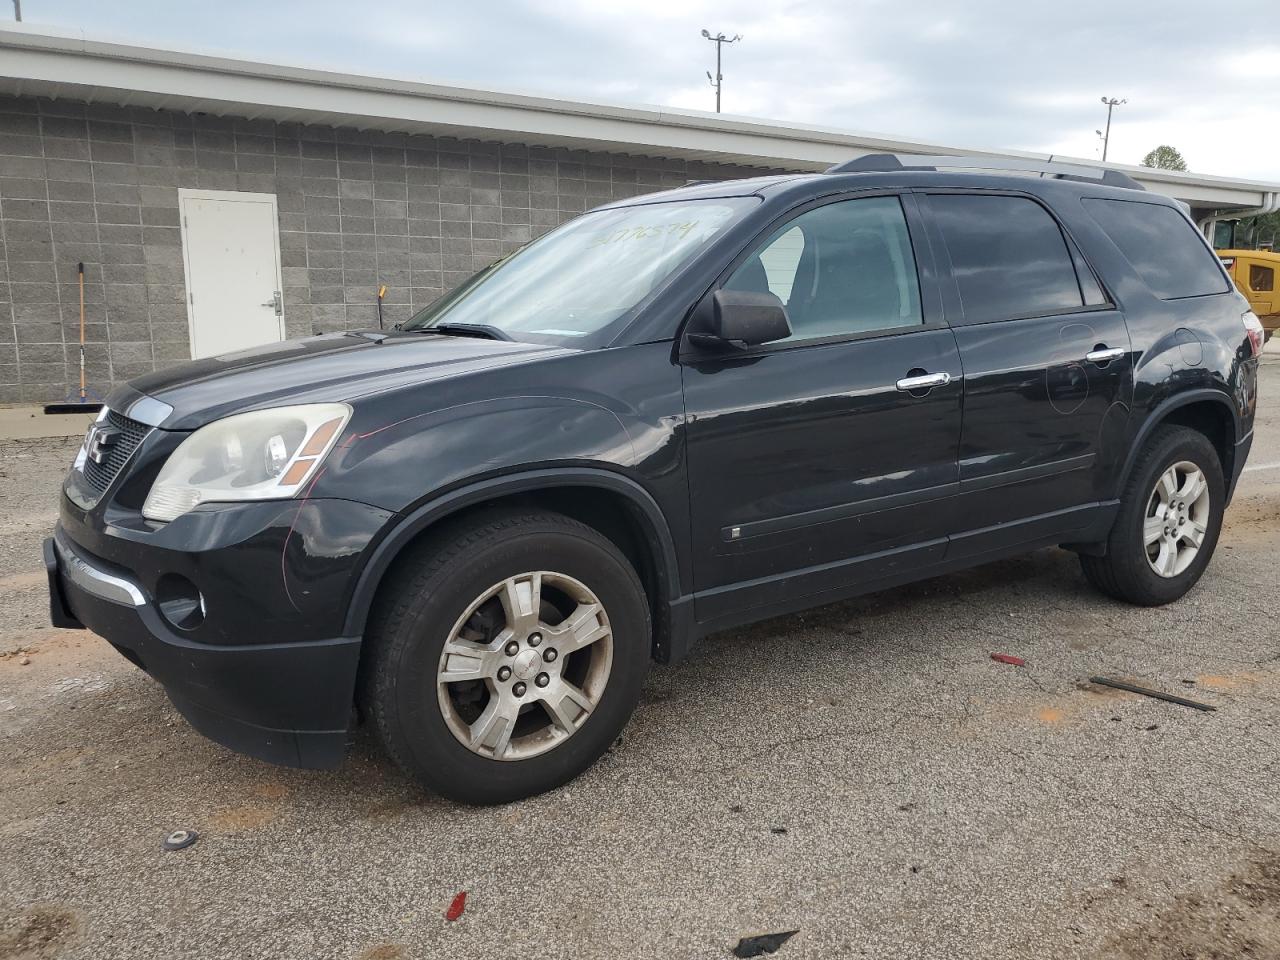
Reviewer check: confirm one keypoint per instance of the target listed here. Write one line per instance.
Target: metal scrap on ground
(765, 943)
(1147, 692)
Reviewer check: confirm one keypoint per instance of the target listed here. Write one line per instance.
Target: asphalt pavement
(864, 774)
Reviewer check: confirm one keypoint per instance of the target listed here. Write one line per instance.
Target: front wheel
(506, 656)
(1169, 521)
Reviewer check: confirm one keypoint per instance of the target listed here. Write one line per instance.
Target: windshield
(586, 277)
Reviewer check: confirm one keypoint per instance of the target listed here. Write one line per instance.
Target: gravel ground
(864, 774)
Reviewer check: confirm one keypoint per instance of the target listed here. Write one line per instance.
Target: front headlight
(263, 455)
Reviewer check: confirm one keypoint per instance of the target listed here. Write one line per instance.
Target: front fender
(398, 465)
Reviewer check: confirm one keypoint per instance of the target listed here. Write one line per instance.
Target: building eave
(37, 62)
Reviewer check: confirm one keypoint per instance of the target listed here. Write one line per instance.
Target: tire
(474, 740)
(1128, 571)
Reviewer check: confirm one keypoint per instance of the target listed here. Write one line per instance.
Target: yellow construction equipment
(1256, 273)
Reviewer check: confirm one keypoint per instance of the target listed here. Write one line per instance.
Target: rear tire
(1167, 529)
(548, 635)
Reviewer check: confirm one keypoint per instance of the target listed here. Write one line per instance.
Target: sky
(1024, 75)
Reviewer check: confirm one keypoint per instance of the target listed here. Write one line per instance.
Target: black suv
(672, 415)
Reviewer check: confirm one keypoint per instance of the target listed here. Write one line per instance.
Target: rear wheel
(1169, 521)
(506, 656)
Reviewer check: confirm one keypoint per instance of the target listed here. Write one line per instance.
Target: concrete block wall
(99, 184)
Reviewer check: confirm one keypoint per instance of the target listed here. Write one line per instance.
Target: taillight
(1253, 328)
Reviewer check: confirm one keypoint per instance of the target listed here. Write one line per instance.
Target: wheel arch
(613, 504)
(1208, 411)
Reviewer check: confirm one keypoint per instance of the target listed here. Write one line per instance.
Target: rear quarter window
(1162, 246)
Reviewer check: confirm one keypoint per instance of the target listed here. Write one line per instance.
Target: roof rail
(883, 162)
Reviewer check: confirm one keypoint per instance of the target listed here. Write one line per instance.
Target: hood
(332, 367)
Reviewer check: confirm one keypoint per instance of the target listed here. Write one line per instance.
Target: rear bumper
(287, 703)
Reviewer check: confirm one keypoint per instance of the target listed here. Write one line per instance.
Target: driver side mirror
(744, 318)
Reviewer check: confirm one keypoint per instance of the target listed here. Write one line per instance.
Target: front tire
(506, 656)
(1169, 521)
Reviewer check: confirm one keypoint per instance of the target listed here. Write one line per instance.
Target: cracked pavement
(935, 803)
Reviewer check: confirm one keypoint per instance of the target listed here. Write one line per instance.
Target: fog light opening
(180, 602)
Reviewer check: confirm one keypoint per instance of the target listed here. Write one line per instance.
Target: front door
(231, 251)
(1048, 373)
(825, 459)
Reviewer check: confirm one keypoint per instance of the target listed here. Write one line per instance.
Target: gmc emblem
(99, 441)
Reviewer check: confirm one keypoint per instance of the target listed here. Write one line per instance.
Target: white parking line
(1263, 466)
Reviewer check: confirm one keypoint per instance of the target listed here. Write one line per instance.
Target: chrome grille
(100, 475)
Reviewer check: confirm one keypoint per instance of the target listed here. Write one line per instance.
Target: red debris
(1009, 659)
(455, 909)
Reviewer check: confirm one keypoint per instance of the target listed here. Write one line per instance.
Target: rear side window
(1008, 256)
(1162, 246)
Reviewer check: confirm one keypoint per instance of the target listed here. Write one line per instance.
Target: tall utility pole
(719, 40)
(17, 10)
(1111, 103)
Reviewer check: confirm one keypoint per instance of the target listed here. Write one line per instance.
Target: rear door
(1048, 373)
(813, 462)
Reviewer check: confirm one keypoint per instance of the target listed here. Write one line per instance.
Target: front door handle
(924, 381)
(1104, 354)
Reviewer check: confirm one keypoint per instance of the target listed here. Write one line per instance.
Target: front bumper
(267, 672)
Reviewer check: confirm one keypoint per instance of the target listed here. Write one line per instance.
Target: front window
(582, 282)
(842, 269)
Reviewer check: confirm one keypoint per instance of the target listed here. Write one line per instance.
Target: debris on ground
(180, 839)
(777, 831)
(1157, 694)
(765, 943)
(455, 909)
(1009, 659)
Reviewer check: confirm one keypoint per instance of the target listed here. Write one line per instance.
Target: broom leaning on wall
(80, 403)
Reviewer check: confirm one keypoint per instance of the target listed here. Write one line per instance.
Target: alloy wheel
(525, 666)
(1176, 519)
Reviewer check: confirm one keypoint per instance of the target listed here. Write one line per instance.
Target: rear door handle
(925, 381)
(1104, 354)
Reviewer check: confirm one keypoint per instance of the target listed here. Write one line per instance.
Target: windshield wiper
(484, 331)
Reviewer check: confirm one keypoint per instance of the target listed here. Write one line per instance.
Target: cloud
(985, 73)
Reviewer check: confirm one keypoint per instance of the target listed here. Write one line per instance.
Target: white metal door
(231, 251)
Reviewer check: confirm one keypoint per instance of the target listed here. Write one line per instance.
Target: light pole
(1111, 103)
(719, 40)
(17, 10)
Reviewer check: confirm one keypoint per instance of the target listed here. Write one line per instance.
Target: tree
(1164, 157)
(1253, 231)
